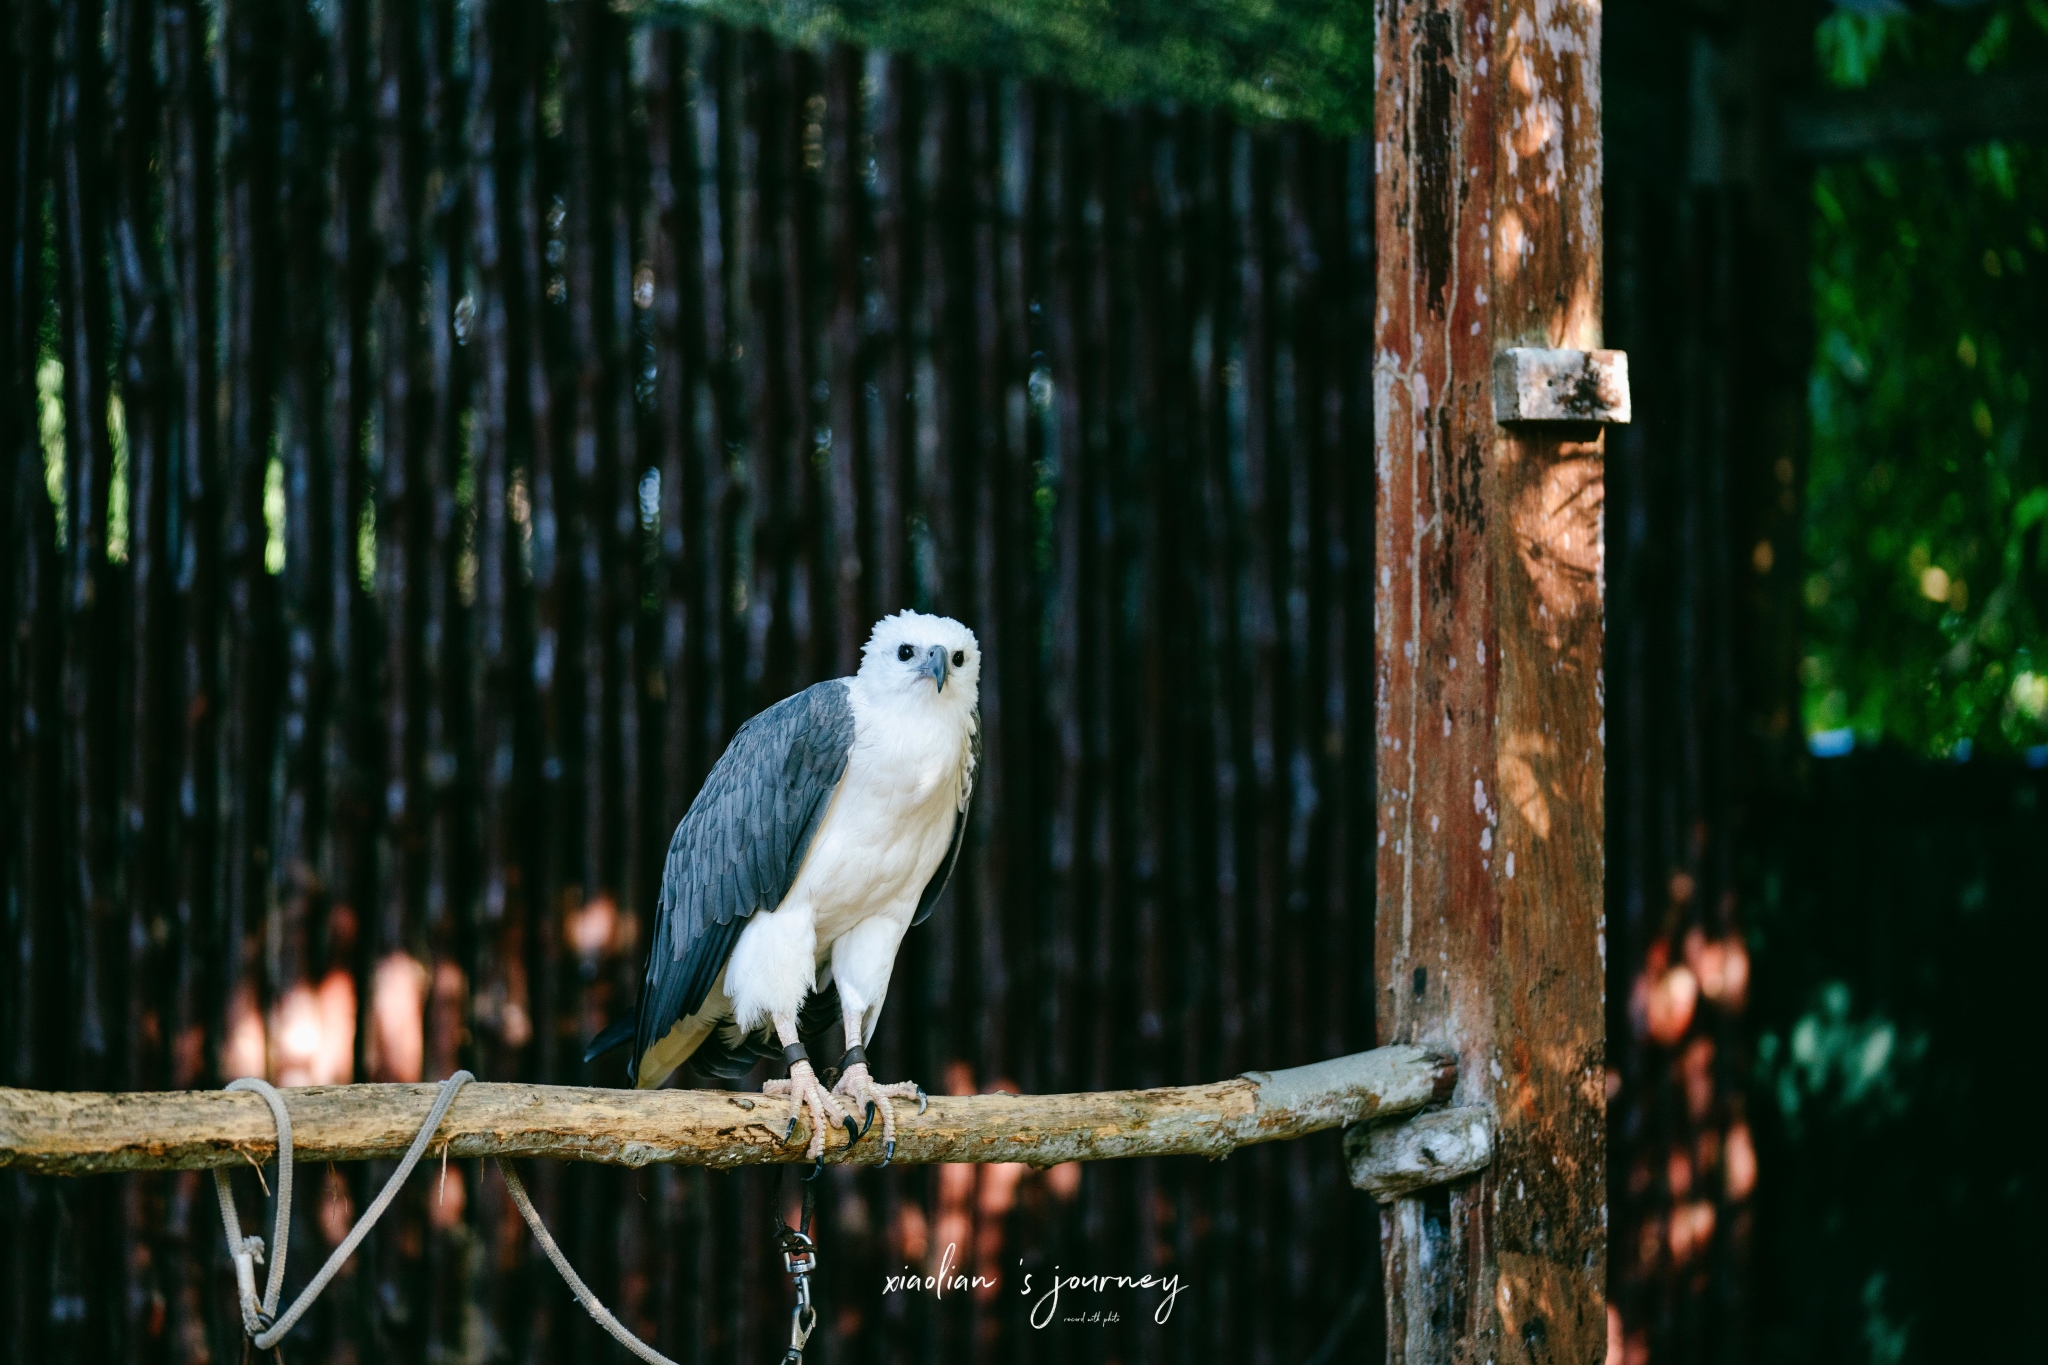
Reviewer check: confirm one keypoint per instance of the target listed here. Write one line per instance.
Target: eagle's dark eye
(959, 658)
(905, 653)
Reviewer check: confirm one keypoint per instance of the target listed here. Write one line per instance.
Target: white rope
(569, 1275)
(259, 1317)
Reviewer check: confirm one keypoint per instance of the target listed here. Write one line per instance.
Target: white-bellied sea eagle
(826, 830)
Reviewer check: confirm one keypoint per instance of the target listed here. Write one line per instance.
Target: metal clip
(800, 1260)
(801, 1320)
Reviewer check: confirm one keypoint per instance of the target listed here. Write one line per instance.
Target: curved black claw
(865, 1126)
(923, 1102)
(888, 1153)
(790, 1131)
(816, 1169)
(853, 1130)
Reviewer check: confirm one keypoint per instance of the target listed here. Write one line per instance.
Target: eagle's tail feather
(616, 1034)
(727, 1058)
(728, 1054)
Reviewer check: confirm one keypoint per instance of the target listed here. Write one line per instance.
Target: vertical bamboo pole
(1100, 827)
(1143, 707)
(448, 743)
(898, 228)
(1298, 689)
(27, 681)
(145, 371)
(624, 140)
(942, 329)
(978, 455)
(404, 500)
(1488, 623)
(502, 671)
(83, 327)
(584, 487)
(537, 418)
(1095, 470)
(1260, 701)
(721, 211)
(1067, 143)
(1169, 699)
(146, 393)
(1210, 963)
(347, 737)
(250, 37)
(669, 234)
(1173, 974)
(402, 488)
(1016, 592)
(195, 1017)
(762, 131)
(94, 975)
(633, 778)
(537, 331)
(606, 522)
(689, 354)
(844, 245)
(501, 1011)
(799, 257)
(1005, 135)
(309, 524)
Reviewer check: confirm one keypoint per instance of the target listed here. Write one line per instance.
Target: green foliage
(1927, 511)
(1893, 908)
(1830, 1059)
(1262, 59)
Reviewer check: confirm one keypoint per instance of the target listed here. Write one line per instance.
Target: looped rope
(247, 1251)
(259, 1319)
(259, 1316)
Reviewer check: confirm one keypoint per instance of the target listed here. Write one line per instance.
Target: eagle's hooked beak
(935, 665)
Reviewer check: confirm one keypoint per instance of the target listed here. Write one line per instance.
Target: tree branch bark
(78, 1133)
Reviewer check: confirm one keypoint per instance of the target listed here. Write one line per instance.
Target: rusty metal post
(1489, 631)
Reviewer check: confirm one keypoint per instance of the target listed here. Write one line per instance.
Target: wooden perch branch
(75, 1133)
(1391, 1160)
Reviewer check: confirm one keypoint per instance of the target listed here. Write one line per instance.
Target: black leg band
(855, 1056)
(793, 1054)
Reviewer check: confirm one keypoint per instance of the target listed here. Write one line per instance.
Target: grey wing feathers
(740, 846)
(937, 884)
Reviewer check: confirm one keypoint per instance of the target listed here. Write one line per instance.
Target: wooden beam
(1488, 627)
(72, 1133)
(1918, 116)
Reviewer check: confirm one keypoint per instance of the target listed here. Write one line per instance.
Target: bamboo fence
(430, 429)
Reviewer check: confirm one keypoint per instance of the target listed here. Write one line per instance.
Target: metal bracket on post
(1391, 1160)
(1536, 384)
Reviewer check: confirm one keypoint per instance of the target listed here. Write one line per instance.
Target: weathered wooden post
(1488, 397)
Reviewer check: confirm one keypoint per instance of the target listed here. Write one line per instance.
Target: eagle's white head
(928, 660)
